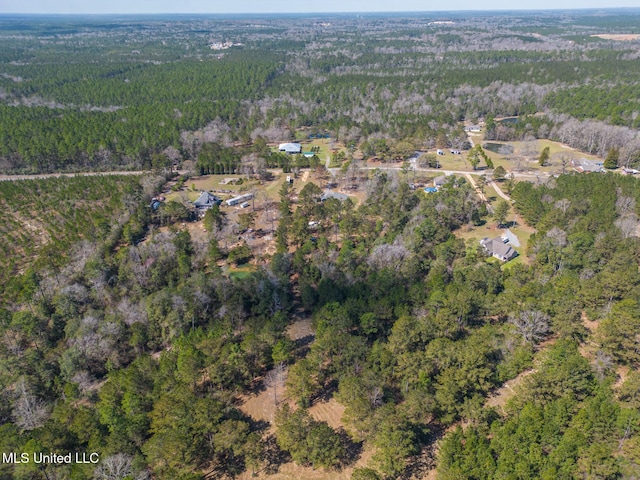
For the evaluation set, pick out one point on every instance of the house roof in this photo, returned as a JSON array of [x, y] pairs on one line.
[[206, 200], [290, 147], [441, 180], [498, 248], [503, 250], [331, 194], [584, 165]]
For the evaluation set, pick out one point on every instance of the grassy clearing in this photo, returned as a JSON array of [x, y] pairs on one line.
[[195, 185], [449, 161], [526, 154], [523, 232], [492, 195], [240, 273], [212, 182], [326, 147], [524, 157], [273, 187]]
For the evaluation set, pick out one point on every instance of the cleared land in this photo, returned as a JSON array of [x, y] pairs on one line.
[[625, 37]]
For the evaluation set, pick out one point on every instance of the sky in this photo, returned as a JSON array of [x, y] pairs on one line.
[[292, 6]]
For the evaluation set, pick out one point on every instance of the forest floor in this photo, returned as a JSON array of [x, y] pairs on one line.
[[499, 397], [589, 348], [507, 391], [261, 408]]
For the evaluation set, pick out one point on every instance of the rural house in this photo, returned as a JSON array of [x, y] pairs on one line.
[[498, 248], [239, 199], [205, 201], [290, 148], [439, 181], [587, 166], [331, 194]]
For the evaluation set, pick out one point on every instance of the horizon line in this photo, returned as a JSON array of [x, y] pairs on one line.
[[351, 12]]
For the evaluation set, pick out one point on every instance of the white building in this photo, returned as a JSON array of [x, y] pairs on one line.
[[240, 199], [290, 148]]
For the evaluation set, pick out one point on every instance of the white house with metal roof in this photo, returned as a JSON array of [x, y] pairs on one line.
[[291, 148]]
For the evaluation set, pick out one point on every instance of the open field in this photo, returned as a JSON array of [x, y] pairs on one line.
[[625, 37], [525, 155], [522, 157], [211, 183]]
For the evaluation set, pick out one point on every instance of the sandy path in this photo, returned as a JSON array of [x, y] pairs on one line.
[[480, 194]]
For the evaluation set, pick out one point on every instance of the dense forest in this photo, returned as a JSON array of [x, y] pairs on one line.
[[141, 350], [160, 89], [133, 330]]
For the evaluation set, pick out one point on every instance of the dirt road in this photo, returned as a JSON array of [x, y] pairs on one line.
[[479, 192], [14, 178]]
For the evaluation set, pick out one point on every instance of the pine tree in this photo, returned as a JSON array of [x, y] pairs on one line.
[[611, 162], [544, 156]]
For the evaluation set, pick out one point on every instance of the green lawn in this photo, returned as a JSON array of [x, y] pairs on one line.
[[525, 156], [273, 187], [240, 273], [326, 145], [195, 185]]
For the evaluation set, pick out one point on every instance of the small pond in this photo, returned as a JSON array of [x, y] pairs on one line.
[[498, 148], [508, 120]]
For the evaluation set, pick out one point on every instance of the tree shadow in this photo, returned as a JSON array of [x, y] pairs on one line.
[[256, 387], [352, 449], [326, 393], [274, 456], [228, 466], [258, 425], [425, 461], [303, 345]]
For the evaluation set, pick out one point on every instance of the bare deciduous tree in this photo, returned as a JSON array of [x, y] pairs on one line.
[[563, 205], [375, 397], [627, 220], [386, 255], [602, 364], [557, 236], [84, 380], [628, 225], [531, 325], [624, 204], [118, 467], [275, 379], [29, 412]]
